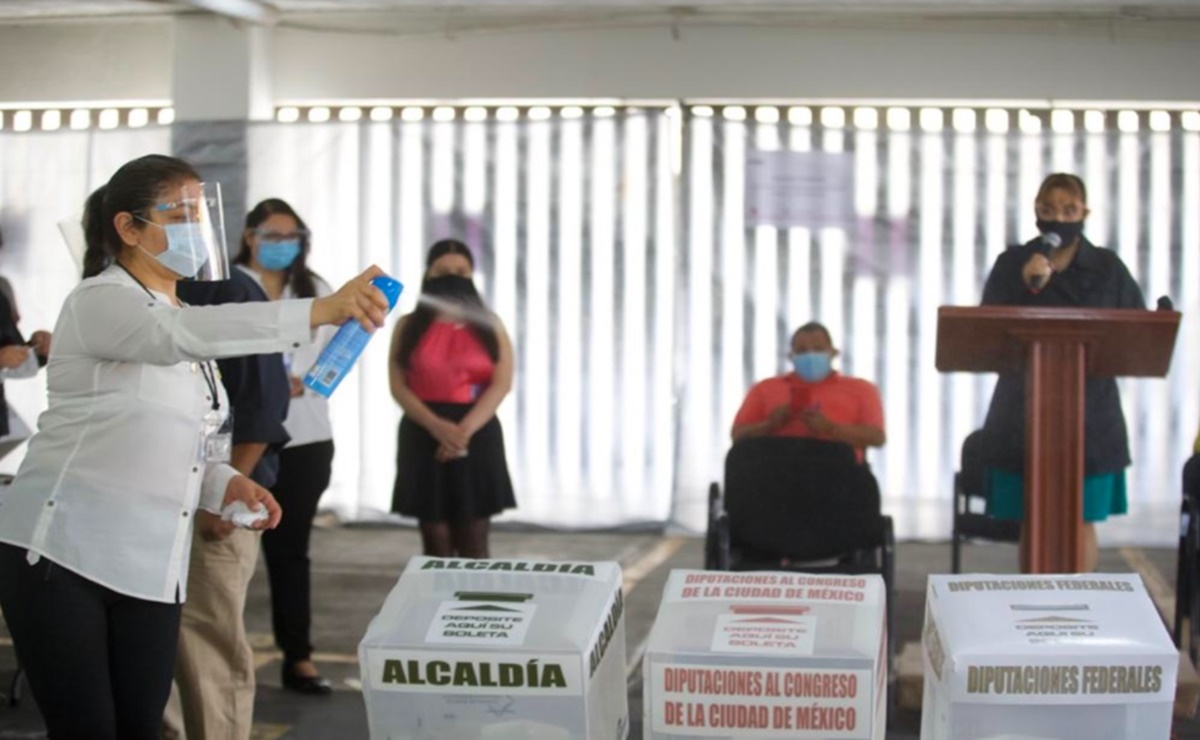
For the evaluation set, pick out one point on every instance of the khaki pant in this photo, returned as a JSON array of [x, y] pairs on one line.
[[214, 673]]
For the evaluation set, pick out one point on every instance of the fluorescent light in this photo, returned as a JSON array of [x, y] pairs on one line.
[[899, 119], [833, 117], [997, 120], [866, 118], [1030, 124], [81, 119], [1062, 121], [539, 113], [139, 117], [733, 113], [507, 114], [320, 114], [604, 111], [110, 118], [443, 113], [964, 120], [932, 119], [1127, 121], [1160, 121], [1094, 122], [412, 114], [800, 116], [350, 115], [766, 114], [475, 114], [1190, 120], [382, 113], [51, 120], [571, 113], [702, 111], [166, 116]]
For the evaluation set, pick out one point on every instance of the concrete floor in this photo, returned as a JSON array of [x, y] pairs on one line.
[[355, 567]]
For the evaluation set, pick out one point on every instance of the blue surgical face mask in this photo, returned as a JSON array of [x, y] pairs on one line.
[[278, 255], [813, 366], [186, 252]]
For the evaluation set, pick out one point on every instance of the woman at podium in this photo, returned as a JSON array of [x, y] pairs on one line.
[[1060, 268]]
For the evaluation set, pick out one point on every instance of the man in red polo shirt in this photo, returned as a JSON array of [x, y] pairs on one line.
[[813, 400]]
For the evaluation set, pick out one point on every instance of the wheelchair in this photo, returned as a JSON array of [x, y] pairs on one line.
[[801, 505], [1187, 573], [971, 521]]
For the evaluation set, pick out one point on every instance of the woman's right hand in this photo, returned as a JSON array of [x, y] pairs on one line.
[[13, 355], [1037, 271], [357, 300], [449, 434]]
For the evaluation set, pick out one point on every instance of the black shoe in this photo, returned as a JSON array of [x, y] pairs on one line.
[[308, 685]]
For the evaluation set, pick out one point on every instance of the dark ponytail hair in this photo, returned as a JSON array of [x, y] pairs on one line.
[[462, 293], [132, 189], [299, 277]]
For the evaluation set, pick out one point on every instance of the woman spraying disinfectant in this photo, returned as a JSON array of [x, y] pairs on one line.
[[339, 356]]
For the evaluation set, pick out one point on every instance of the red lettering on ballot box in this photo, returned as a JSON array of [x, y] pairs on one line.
[[774, 587], [715, 701]]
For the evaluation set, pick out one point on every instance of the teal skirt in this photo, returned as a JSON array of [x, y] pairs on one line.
[[1103, 494]]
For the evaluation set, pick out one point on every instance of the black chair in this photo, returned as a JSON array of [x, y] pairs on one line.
[[801, 505], [971, 521], [1187, 572]]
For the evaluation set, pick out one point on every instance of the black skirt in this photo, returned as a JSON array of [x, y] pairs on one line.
[[473, 487]]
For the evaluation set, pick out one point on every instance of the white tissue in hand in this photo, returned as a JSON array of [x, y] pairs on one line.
[[242, 516]]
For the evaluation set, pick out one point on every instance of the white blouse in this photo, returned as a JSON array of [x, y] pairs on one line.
[[115, 471]]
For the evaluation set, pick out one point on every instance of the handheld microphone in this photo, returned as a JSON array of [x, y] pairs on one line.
[[1049, 240]]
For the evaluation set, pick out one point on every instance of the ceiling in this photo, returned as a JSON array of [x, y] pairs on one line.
[[416, 16]]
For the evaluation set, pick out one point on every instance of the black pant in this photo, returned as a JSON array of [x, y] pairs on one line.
[[99, 663], [303, 476]]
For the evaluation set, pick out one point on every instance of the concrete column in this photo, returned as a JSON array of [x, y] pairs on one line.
[[221, 82]]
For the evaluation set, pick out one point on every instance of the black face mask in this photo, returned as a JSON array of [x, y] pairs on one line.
[[1067, 231], [452, 288]]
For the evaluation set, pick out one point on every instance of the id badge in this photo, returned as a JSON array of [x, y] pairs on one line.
[[217, 439]]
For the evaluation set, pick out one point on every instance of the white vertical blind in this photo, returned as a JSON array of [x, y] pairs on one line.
[[642, 304]]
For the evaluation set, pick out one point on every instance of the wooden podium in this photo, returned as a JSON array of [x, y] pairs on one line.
[[1057, 348]]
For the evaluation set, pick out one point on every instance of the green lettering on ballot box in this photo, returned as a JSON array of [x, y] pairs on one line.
[[531, 674]]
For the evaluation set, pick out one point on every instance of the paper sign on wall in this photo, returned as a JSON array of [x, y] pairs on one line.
[[799, 189]]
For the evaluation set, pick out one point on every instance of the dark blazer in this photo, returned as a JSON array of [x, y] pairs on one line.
[[1096, 278], [257, 385]]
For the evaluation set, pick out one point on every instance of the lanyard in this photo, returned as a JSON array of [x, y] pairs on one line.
[[206, 370]]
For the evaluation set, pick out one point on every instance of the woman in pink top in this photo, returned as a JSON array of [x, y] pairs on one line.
[[451, 365]]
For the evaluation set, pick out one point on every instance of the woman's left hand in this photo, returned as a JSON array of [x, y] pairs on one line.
[[254, 497], [448, 453]]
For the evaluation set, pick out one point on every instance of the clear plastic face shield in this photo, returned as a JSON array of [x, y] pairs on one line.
[[193, 218], [72, 234]]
